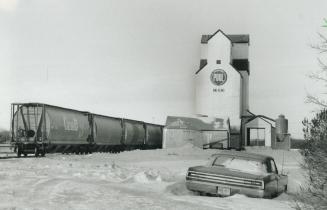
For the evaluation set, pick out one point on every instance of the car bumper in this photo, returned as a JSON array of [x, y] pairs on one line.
[[213, 189]]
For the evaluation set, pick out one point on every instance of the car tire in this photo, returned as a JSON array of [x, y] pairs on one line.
[[36, 152], [19, 153]]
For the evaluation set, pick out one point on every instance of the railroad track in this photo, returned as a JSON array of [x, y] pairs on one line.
[[6, 150]]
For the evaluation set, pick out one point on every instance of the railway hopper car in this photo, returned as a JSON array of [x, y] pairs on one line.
[[153, 139], [37, 127], [134, 134], [107, 133]]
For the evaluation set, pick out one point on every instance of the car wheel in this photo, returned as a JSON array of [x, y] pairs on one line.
[[19, 153], [36, 152]]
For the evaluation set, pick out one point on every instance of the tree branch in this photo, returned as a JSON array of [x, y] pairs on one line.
[[322, 65], [315, 100], [317, 77]]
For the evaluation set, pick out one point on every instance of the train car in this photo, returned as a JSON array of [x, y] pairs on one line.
[[134, 134], [153, 139], [37, 128], [107, 133]]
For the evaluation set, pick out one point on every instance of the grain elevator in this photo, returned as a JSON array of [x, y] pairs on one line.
[[222, 94]]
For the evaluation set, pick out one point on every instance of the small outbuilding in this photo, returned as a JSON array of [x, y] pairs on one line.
[[259, 131]]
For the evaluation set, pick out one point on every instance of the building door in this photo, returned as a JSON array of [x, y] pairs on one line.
[[255, 137]]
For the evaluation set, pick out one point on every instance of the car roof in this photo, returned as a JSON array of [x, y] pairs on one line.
[[245, 155]]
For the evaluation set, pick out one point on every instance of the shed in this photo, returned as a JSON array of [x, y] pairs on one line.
[[259, 131], [202, 132]]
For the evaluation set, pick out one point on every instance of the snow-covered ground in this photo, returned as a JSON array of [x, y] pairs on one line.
[[152, 179]]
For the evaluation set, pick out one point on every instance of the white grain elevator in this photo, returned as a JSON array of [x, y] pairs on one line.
[[222, 81]]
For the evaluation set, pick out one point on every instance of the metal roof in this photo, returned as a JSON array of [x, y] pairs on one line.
[[234, 38], [193, 123], [203, 63], [263, 117]]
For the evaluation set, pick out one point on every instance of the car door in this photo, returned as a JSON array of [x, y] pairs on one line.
[[281, 179], [272, 184]]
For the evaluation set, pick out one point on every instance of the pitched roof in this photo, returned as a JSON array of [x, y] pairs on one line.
[[241, 65], [203, 63], [234, 38], [261, 116], [193, 123], [264, 118]]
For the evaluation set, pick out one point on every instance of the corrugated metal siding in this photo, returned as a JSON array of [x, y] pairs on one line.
[[180, 137], [219, 137]]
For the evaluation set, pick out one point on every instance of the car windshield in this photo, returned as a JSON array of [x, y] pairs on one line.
[[244, 165]]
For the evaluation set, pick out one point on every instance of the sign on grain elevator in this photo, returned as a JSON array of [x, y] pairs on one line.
[[222, 81]]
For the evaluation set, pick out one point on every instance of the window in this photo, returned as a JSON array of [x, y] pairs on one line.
[[218, 61], [244, 165], [256, 137], [271, 166]]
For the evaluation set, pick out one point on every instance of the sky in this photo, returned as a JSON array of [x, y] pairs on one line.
[[137, 59]]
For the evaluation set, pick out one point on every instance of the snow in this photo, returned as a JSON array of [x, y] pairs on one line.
[[140, 179], [247, 166]]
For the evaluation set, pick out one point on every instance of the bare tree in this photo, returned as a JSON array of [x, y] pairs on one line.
[[314, 151], [320, 76]]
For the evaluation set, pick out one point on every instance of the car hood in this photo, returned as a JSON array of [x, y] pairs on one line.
[[226, 172]]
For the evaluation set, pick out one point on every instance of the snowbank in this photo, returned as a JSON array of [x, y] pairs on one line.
[[140, 179]]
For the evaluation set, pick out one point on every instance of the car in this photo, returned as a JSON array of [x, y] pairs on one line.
[[232, 172]]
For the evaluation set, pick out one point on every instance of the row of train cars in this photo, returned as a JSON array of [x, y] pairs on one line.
[[38, 129]]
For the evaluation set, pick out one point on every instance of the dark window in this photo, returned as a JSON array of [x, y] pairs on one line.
[[256, 137], [218, 61], [271, 167]]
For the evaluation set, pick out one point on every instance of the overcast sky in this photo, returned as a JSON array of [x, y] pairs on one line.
[[137, 59]]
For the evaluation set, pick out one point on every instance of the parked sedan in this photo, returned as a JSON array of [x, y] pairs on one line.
[[230, 172]]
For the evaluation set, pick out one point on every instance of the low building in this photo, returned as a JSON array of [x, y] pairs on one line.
[[201, 132], [259, 131]]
